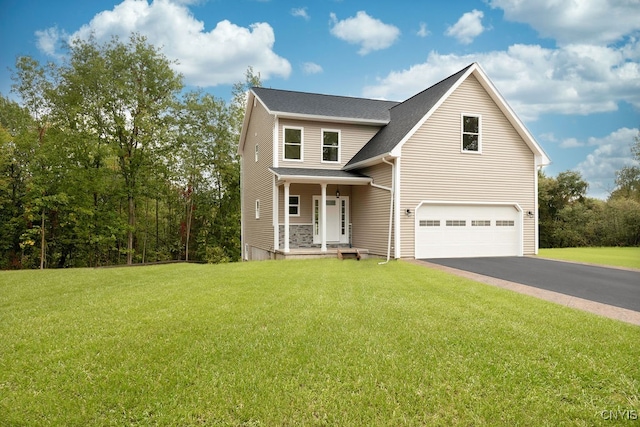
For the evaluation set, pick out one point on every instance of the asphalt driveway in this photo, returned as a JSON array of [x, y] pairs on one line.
[[620, 288]]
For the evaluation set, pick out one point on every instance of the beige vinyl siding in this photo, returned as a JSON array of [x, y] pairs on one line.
[[370, 211], [306, 193], [434, 168], [352, 139], [257, 180]]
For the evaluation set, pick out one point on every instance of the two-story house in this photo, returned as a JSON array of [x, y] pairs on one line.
[[450, 172]]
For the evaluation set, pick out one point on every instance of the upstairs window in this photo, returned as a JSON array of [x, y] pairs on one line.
[[293, 143], [471, 134], [330, 146]]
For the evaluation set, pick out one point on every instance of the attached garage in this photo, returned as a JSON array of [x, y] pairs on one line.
[[457, 230]]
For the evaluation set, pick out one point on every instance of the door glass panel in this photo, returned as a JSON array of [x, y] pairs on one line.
[[316, 217], [343, 217]]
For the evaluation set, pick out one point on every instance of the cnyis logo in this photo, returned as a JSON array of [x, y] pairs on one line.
[[619, 414]]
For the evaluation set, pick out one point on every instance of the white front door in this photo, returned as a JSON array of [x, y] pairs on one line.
[[333, 220], [337, 219]]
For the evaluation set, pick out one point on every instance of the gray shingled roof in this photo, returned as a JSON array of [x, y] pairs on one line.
[[404, 117], [313, 104], [318, 173]]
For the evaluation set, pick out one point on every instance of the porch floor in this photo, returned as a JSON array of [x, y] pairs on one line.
[[305, 253]]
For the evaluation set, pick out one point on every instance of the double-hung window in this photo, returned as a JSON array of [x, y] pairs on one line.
[[330, 146], [292, 143], [471, 141], [294, 205]]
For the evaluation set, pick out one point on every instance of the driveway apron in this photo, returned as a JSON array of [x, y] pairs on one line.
[[617, 287]]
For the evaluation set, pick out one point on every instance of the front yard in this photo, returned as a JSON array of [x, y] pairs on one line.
[[617, 256], [317, 342]]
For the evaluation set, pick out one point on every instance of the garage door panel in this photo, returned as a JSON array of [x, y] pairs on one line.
[[452, 231]]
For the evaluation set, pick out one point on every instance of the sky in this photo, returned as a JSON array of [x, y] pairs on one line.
[[570, 69]]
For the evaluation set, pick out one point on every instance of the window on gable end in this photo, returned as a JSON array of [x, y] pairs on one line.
[[471, 138], [292, 143], [330, 146]]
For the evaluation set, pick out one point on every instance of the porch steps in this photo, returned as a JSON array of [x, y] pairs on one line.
[[349, 253]]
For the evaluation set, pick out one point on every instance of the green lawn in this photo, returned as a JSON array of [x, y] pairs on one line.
[[317, 342], [621, 257]]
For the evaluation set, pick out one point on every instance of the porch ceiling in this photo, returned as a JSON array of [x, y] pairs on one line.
[[319, 176]]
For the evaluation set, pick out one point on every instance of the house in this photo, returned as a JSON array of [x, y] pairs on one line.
[[450, 172]]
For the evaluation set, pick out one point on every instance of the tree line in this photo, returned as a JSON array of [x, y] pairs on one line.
[[567, 218], [108, 160]]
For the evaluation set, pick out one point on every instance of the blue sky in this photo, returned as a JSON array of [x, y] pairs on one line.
[[570, 69]]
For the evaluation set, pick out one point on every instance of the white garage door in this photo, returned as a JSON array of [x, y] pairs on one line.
[[459, 230]]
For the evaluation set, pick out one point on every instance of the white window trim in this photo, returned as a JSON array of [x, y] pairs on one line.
[[257, 208], [298, 205], [322, 131], [284, 143], [462, 150]]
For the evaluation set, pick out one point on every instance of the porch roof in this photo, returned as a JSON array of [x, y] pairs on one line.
[[319, 176]]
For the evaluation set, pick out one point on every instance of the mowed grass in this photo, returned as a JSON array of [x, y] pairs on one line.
[[615, 256], [317, 342]]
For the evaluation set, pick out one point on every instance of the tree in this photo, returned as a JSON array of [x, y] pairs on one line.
[[560, 203], [15, 127], [33, 83], [121, 93], [103, 154], [628, 178]]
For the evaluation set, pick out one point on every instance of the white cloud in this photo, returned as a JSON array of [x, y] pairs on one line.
[[577, 21], [47, 40], [370, 33], [311, 68], [571, 143], [468, 27], [574, 79], [550, 137], [206, 58], [611, 153], [300, 12], [423, 31]]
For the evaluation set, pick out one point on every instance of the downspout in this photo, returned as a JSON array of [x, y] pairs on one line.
[[243, 255], [390, 190], [536, 209]]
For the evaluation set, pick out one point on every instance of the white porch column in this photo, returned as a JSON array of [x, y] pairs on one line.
[[286, 217], [323, 215]]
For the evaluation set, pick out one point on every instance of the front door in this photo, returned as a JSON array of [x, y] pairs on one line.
[[333, 220], [337, 220]]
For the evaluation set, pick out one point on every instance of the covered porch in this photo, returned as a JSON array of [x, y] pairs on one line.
[[313, 220]]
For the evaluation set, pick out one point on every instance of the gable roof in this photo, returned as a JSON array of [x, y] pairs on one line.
[[314, 106], [398, 120], [404, 117], [409, 115]]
